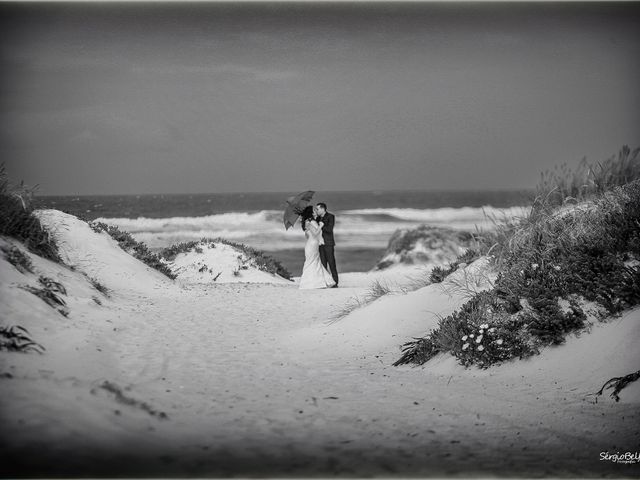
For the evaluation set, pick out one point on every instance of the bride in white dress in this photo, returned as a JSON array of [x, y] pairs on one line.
[[314, 274]]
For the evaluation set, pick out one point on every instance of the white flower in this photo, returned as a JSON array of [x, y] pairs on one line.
[[480, 348], [465, 337], [484, 325], [556, 267], [481, 331], [492, 329], [534, 265], [479, 339], [499, 341], [472, 335], [465, 346]]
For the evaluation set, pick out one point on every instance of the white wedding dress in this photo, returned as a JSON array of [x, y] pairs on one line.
[[314, 275]]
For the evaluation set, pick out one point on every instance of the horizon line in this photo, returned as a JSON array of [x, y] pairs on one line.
[[375, 190]]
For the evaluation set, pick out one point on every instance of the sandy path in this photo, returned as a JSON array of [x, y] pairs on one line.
[[242, 399]]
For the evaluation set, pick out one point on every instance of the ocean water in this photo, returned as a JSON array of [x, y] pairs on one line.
[[364, 220]]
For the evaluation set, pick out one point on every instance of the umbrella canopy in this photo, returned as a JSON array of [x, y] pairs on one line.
[[294, 205]]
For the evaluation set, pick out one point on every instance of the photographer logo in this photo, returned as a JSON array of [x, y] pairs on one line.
[[625, 457]]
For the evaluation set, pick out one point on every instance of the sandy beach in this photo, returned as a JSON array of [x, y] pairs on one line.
[[258, 378]]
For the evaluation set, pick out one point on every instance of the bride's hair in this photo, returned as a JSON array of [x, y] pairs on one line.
[[306, 214]]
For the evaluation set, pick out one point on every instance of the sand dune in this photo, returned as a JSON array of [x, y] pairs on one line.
[[257, 378]]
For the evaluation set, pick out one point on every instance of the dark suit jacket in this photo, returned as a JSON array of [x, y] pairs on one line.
[[329, 221]]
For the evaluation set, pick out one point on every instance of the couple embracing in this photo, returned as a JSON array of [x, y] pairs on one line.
[[317, 225]]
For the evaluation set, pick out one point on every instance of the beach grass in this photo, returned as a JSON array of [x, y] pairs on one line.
[[352, 304], [416, 282], [17, 258], [15, 338], [100, 287], [50, 292], [438, 274], [258, 258], [18, 221], [171, 252], [138, 249], [564, 254], [562, 185], [559, 189], [376, 290], [254, 257]]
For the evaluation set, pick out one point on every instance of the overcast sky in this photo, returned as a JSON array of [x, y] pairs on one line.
[[166, 98]]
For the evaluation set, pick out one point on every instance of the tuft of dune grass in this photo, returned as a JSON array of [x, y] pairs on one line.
[[100, 287], [18, 221], [563, 185], [376, 290], [171, 252], [50, 291], [15, 338], [17, 258]]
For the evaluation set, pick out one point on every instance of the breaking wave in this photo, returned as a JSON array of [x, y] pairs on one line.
[[360, 228]]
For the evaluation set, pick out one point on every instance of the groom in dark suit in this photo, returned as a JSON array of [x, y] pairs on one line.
[[326, 251]]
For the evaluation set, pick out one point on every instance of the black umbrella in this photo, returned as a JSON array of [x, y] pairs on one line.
[[295, 204]]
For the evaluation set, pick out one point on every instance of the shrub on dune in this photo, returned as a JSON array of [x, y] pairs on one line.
[[171, 252], [438, 274], [550, 264], [590, 251]]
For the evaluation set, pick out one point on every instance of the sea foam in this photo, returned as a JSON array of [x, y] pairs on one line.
[[360, 228]]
